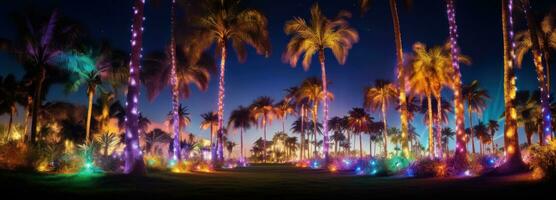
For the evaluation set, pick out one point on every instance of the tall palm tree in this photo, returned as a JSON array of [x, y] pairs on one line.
[[241, 119], [314, 37], [511, 139], [210, 121], [476, 98], [380, 96], [11, 93], [158, 72], [134, 156], [431, 69], [37, 44], [404, 115], [224, 23], [358, 121], [90, 69], [537, 51], [460, 153], [262, 110], [311, 93], [492, 128]]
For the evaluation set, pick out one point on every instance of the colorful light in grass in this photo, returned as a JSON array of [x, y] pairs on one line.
[[332, 168], [315, 164]]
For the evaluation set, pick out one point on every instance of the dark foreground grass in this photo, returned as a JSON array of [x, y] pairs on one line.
[[264, 182]]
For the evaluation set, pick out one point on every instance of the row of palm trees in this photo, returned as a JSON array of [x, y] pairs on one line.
[[225, 23]]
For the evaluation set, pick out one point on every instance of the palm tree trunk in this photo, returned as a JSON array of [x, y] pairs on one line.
[[470, 113], [384, 130], [27, 115], [324, 105], [36, 105], [223, 55], [264, 143], [302, 144], [438, 125], [511, 140], [315, 126], [90, 94], [541, 76], [133, 157], [360, 146], [460, 154], [241, 143], [401, 77], [10, 124], [431, 138], [174, 85]]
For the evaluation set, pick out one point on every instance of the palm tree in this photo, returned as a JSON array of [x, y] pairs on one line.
[[155, 136], [262, 110], [230, 147], [158, 73], [476, 98], [380, 96], [537, 51], [291, 145], [358, 121], [375, 130], [183, 121], [314, 37], [338, 125], [311, 93], [225, 22], [511, 140], [481, 132], [430, 71], [90, 69], [11, 93], [447, 135], [395, 135], [404, 115], [282, 109], [492, 128], [241, 119], [210, 121], [36, 48], [107, 141]]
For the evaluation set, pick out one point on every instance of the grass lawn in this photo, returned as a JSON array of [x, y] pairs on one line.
[[265, 182]]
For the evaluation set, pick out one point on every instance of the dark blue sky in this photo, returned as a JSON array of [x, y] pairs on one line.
[[372, 58]]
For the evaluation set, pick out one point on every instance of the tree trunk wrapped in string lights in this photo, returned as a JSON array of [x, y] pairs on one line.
[[174, 84], [461, 149], [133, 155], [541, 75], [511, 142], [219, 146]]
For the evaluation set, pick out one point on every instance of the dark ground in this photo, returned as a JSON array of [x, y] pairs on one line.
[[266, 182]]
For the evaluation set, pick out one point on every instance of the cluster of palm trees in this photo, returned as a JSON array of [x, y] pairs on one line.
[[52, 52]]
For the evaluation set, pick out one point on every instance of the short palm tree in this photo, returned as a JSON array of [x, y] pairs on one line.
[[107, 142], [224, 23], [210, 121], [380, 96], [313, 38], [476, 98], [358, 121], [481, 132], [241, 119], [156, 136], [262, 110], [492, 128], [447, 135], [283, 109]]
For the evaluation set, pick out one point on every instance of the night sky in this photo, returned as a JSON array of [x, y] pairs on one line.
[[479, 24]]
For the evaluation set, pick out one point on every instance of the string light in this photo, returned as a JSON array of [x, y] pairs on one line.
[[175, 89], [461, 149], [133, 153]]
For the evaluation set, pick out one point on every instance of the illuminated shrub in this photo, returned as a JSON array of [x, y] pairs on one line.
[[13, 155], [427, 167], [542, 159]]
